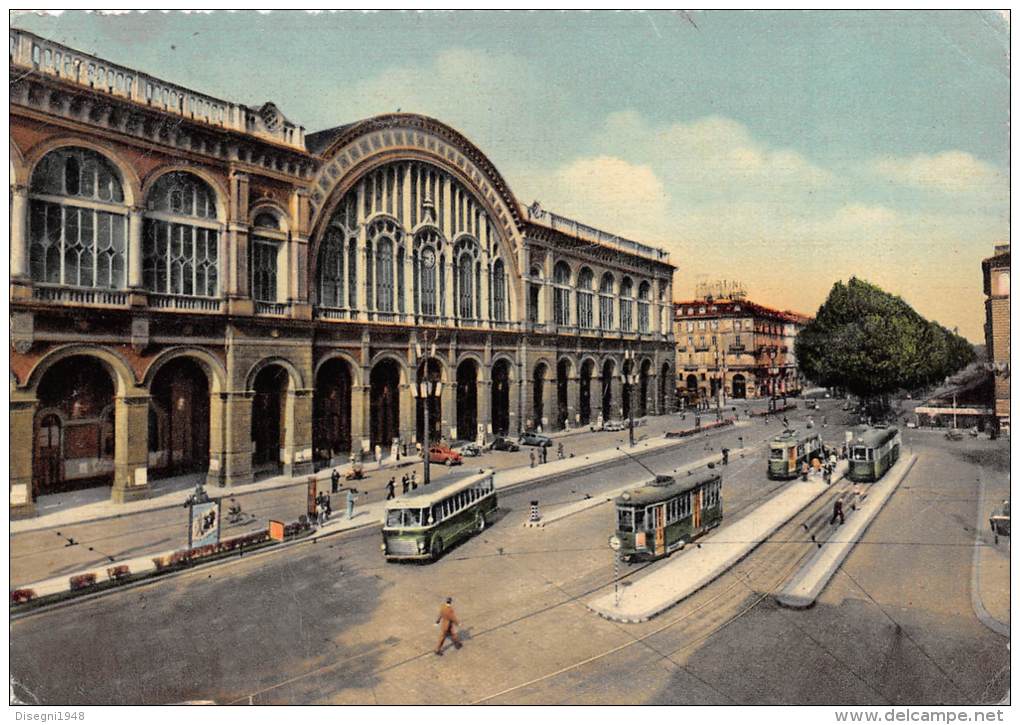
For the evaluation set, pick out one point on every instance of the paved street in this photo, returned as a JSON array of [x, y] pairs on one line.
[[334, 623]]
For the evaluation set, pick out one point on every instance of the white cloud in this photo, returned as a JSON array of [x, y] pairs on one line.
[[949, 171], [711, 154], [609, 193]]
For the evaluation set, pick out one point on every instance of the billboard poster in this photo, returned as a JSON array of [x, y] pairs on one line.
[[205, 524]]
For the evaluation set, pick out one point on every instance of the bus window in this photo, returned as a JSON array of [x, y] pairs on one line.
[[412, 517], [626, 519], [437, 513], [859, 454], [393, 517], [776, 454]]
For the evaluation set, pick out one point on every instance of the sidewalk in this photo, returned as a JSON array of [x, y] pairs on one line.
[[688, 571], [807, 584], [366, 514]]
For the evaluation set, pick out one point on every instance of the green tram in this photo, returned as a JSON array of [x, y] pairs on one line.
[[425, 523], [788, 452], [873, 452], [660, 517]]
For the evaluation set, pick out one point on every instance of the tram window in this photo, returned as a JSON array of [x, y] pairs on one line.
[[859, 454], [777, 454], [639, 519], [626, 518]]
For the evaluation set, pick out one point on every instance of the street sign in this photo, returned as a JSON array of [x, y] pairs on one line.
[[276, 530]]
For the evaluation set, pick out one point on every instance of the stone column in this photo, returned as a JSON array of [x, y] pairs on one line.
[[19, 233], [448, 413], [134, 248], [297, 454], [616, 402], [483, 390], [515, 404], [216, 475], [573, 401], [361, 273], [449, 304], [360, 415], [22, 430], [485, 309], [131, 447], [408, 413], [237, 449]]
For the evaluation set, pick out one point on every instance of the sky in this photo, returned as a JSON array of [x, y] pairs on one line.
[[786, 150]]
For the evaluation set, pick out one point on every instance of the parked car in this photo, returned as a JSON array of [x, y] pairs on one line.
[[471, 450], [999, 520], [503, 444], [615, 425], [531, 438], [445, 455], [954, 435], [911, 424]]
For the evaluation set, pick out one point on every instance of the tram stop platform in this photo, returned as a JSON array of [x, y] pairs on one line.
[[696, 566], [807, 584]]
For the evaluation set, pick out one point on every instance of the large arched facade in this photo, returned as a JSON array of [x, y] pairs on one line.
[[260, 304]]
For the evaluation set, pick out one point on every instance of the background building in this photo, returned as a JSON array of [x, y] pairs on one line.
[[996, 280], [199, 286], [745, 348]]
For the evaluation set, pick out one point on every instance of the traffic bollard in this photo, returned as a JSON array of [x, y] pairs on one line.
[[534, 517]]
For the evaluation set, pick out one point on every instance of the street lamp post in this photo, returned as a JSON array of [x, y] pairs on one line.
[[631, 380], [773, 375], [426, 389]]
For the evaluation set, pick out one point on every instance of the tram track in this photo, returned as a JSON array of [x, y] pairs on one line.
[[784, 557]]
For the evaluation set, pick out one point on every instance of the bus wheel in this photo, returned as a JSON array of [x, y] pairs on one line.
[[480, 523], [437, 547]]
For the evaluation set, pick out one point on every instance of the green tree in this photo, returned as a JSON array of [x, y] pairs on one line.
[[872, 343]]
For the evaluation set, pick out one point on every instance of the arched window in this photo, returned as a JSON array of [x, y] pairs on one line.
[[384, 274], [499, 291], [534, 290], [585, 280], [606, 289], [332, 258], [644, 292], [626, 305], [77, 225], [561, 299], [466, 271], [268, 243], [427, 244], [180, 248]]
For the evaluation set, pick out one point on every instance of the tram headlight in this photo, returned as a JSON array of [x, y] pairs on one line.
[[615, 543]]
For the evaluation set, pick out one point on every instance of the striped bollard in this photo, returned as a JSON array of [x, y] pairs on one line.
[[534, 517]]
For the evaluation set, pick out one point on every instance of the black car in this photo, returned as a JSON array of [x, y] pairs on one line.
[[503, 444], [531, 438]]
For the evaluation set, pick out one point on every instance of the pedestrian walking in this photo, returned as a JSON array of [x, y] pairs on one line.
[[405, 483], [378, 454], [559, 451], [531, 457], [804, 471], [786, 422], [545, 454], [837, 512], [391, 488], [352, 496], [335, 480], [320, 511], [414, 480], [446, 620]]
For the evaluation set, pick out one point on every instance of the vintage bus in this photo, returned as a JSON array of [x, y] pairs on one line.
[[789, 451], [873, 451], [658, 518], [425, 523]]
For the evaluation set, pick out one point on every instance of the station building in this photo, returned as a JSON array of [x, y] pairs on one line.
[[995, 270], [736, 348], [200, 286]]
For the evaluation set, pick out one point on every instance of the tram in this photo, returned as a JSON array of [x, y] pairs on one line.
[[789, 451], [658, 518], [873, 452]]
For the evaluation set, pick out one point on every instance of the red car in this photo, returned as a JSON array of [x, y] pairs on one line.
[[444, 455]]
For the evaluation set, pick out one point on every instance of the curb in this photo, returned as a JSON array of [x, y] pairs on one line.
[[804, 587], [147, 576]]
